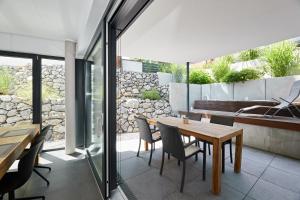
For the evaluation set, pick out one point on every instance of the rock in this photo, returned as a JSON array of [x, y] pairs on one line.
[[132, 103], [11, 120], [2, 118], [58, 108], [54, 121], [135, 91], [3, 112], [25, 114], [46, 107], [23, 106], [11, 113], [5, 98], [146, 105]]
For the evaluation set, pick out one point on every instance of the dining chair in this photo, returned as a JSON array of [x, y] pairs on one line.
[[14, 180], [147, 135], [173, 144], [227, 121], [45, 135], [195, 117]]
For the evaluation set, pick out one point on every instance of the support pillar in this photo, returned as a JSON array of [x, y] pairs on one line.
[[70, 52]]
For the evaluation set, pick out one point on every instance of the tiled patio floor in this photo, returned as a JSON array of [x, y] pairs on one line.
[[264, 175]]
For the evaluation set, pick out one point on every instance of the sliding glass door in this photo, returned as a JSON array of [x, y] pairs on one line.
[[95, 98]]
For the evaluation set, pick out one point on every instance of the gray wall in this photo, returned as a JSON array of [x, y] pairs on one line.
[[264, 89]]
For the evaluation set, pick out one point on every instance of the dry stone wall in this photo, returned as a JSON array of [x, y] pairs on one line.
[[130, 102], [15, 108]]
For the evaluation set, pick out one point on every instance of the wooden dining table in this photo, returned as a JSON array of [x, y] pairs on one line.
[[13, 141], [215, 134]]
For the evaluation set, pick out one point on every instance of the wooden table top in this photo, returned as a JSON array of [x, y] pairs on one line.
[[13, 141], [214, 131]]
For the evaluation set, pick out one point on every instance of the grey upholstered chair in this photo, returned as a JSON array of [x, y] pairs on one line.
[[173, 144], [147, 135]]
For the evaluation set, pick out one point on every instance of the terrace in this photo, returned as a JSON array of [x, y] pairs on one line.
[[80, 80]]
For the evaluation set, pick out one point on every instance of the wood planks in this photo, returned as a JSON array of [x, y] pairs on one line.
[[15, 144]]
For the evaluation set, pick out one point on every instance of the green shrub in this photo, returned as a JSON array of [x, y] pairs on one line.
[[5, 81], [221, 67], [250, 54], [199, 77], [178, 71], [242, 76], [281, 58], [165, 67], [151, 94], [48, 92]]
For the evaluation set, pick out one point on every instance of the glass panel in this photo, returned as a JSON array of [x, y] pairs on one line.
[[96, 96], [53, 101], [15, 91]]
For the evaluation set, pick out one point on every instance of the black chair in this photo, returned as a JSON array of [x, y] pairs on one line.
[[147, 135], [227, 121], [173, 144], [14, 180], [44, 134], [193, 116]]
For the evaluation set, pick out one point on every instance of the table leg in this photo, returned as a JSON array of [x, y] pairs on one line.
[[216, 173], [238, 153], [146, 146]]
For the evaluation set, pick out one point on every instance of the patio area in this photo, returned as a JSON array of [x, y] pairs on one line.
[[264, 175]]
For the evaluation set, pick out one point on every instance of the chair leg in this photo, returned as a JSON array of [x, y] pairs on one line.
[[209, 149], [204, 162], [149, 163], [169, 156], [162, 162], [178, 162], [189, 138], [11, 195], [42, 167], [196, 157], [223, 158], [230, 149], [183, 177], [154, 147], [40, 175], [138, 153]]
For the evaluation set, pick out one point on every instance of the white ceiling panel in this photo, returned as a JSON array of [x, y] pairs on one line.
[[194, 30]]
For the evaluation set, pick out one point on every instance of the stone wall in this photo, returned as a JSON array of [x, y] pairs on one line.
[[15, 107], [129, 101]]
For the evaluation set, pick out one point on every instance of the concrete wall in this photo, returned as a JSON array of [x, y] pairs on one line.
[[164, 78], [250, 90], [264, 89], [284, 142], [279, 87], [221, 91], [177, 95], [132, 66]]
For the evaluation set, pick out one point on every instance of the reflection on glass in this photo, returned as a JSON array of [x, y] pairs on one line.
[[15, 91], [96, 135]]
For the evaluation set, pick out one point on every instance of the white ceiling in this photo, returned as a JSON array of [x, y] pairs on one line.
[[48, 23], [194, 30]]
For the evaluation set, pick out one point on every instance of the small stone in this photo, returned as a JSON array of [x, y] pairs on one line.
[[5, 98], [2, 118], [11, 120], [11, 113]]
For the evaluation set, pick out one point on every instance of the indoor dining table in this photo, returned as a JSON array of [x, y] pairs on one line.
[[213, 133], [13, 141]]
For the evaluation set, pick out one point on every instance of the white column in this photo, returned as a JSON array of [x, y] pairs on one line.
[[70, 52]]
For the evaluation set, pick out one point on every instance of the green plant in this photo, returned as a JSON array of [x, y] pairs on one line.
[[242, 76], [221, 67], [250, 54], [281, 58], [48, 92], [178, 71], [165, 67], [152, 94], [5, 81], [199, 77]]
